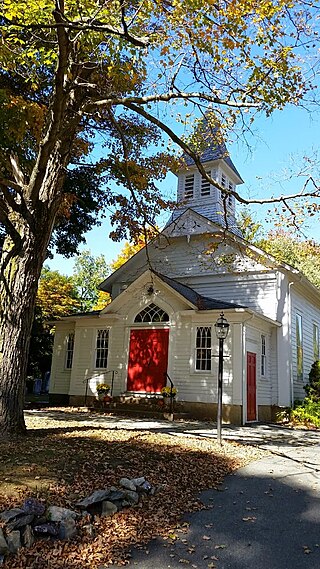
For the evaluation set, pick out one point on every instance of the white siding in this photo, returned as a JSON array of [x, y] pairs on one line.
[[60, 376], [256, 291], [199, 386], [194, 257], [83, 370], [310, 312], [239, 279], [265, 383]]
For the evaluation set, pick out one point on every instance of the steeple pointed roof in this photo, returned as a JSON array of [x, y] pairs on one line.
[[209, 139], [194, 192], [214, 152]]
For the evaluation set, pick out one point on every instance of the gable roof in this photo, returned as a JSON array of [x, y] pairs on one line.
[[213, 229], [207, 212], [199, 301]]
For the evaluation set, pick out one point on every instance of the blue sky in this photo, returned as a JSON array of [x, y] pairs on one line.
[[278, 142]]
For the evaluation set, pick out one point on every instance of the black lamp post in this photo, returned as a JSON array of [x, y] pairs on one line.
[[222, 329]]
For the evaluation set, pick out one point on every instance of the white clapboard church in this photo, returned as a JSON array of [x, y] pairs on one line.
[[165, 302]]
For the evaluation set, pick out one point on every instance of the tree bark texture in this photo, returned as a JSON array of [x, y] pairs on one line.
[[22, 257]]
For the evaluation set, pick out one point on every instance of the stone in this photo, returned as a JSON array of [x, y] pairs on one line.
[[39, 520], [3, 544], [67, 529], [9, 515], [138, 481], [89, 530], [20, 522], [58, 514], [116, 496], [14, 541], [27, 536], [1, 559], [127, 484], [145, 487], [47, 529], [33, 506], [131, 497], [108, 509], [97, 496]]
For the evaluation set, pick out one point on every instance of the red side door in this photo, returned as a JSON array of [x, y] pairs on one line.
[[148, 360], [251, 387]]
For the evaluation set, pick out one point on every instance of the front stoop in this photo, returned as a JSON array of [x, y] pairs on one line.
[[145, 407]]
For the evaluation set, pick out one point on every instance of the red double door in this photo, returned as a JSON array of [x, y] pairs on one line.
[[148, 360], [251, 387]]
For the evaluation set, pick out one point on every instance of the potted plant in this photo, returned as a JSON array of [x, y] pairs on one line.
[[166, 391], [103, 390]]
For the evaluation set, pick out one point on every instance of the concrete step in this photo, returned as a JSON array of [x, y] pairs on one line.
[[136, 413]]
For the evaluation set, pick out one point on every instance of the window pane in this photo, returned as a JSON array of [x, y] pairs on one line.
[[203, 348], [152, 313], [69, 353], [102, 348]]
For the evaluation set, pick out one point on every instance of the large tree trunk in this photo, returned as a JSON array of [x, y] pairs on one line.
[[21, 260], [20, 273]]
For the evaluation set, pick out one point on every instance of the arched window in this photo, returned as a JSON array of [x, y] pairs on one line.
[[152, 313]]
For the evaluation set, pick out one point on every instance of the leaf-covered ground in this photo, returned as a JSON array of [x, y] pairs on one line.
[[61, 462]]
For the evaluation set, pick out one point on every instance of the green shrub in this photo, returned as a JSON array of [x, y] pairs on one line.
[[307, 412], [312, 388]]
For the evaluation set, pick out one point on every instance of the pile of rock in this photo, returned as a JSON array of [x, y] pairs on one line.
[[21, 526]]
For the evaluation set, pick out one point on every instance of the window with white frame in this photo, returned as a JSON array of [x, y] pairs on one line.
[[263, 355], [101, 351], [315, 342], [189, 186], [69, 350], [299, 346], [203, 348], [205, 189]]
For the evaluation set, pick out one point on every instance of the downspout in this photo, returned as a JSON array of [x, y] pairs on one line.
[[290, 337]]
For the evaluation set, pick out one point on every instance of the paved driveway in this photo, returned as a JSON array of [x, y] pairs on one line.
[[265, 516]]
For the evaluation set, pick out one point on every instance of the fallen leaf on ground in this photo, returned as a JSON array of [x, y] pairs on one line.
[[46, 466]]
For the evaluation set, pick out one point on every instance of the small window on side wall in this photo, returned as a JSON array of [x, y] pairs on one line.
[[69, 351], [101, 352], [315, 342], [299, 346], [263, 355]]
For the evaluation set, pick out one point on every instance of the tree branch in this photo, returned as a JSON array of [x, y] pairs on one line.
[[197, 160], [166, 97], [94, 26]]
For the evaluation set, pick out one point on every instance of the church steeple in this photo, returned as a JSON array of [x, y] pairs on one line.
[[196, 193]]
